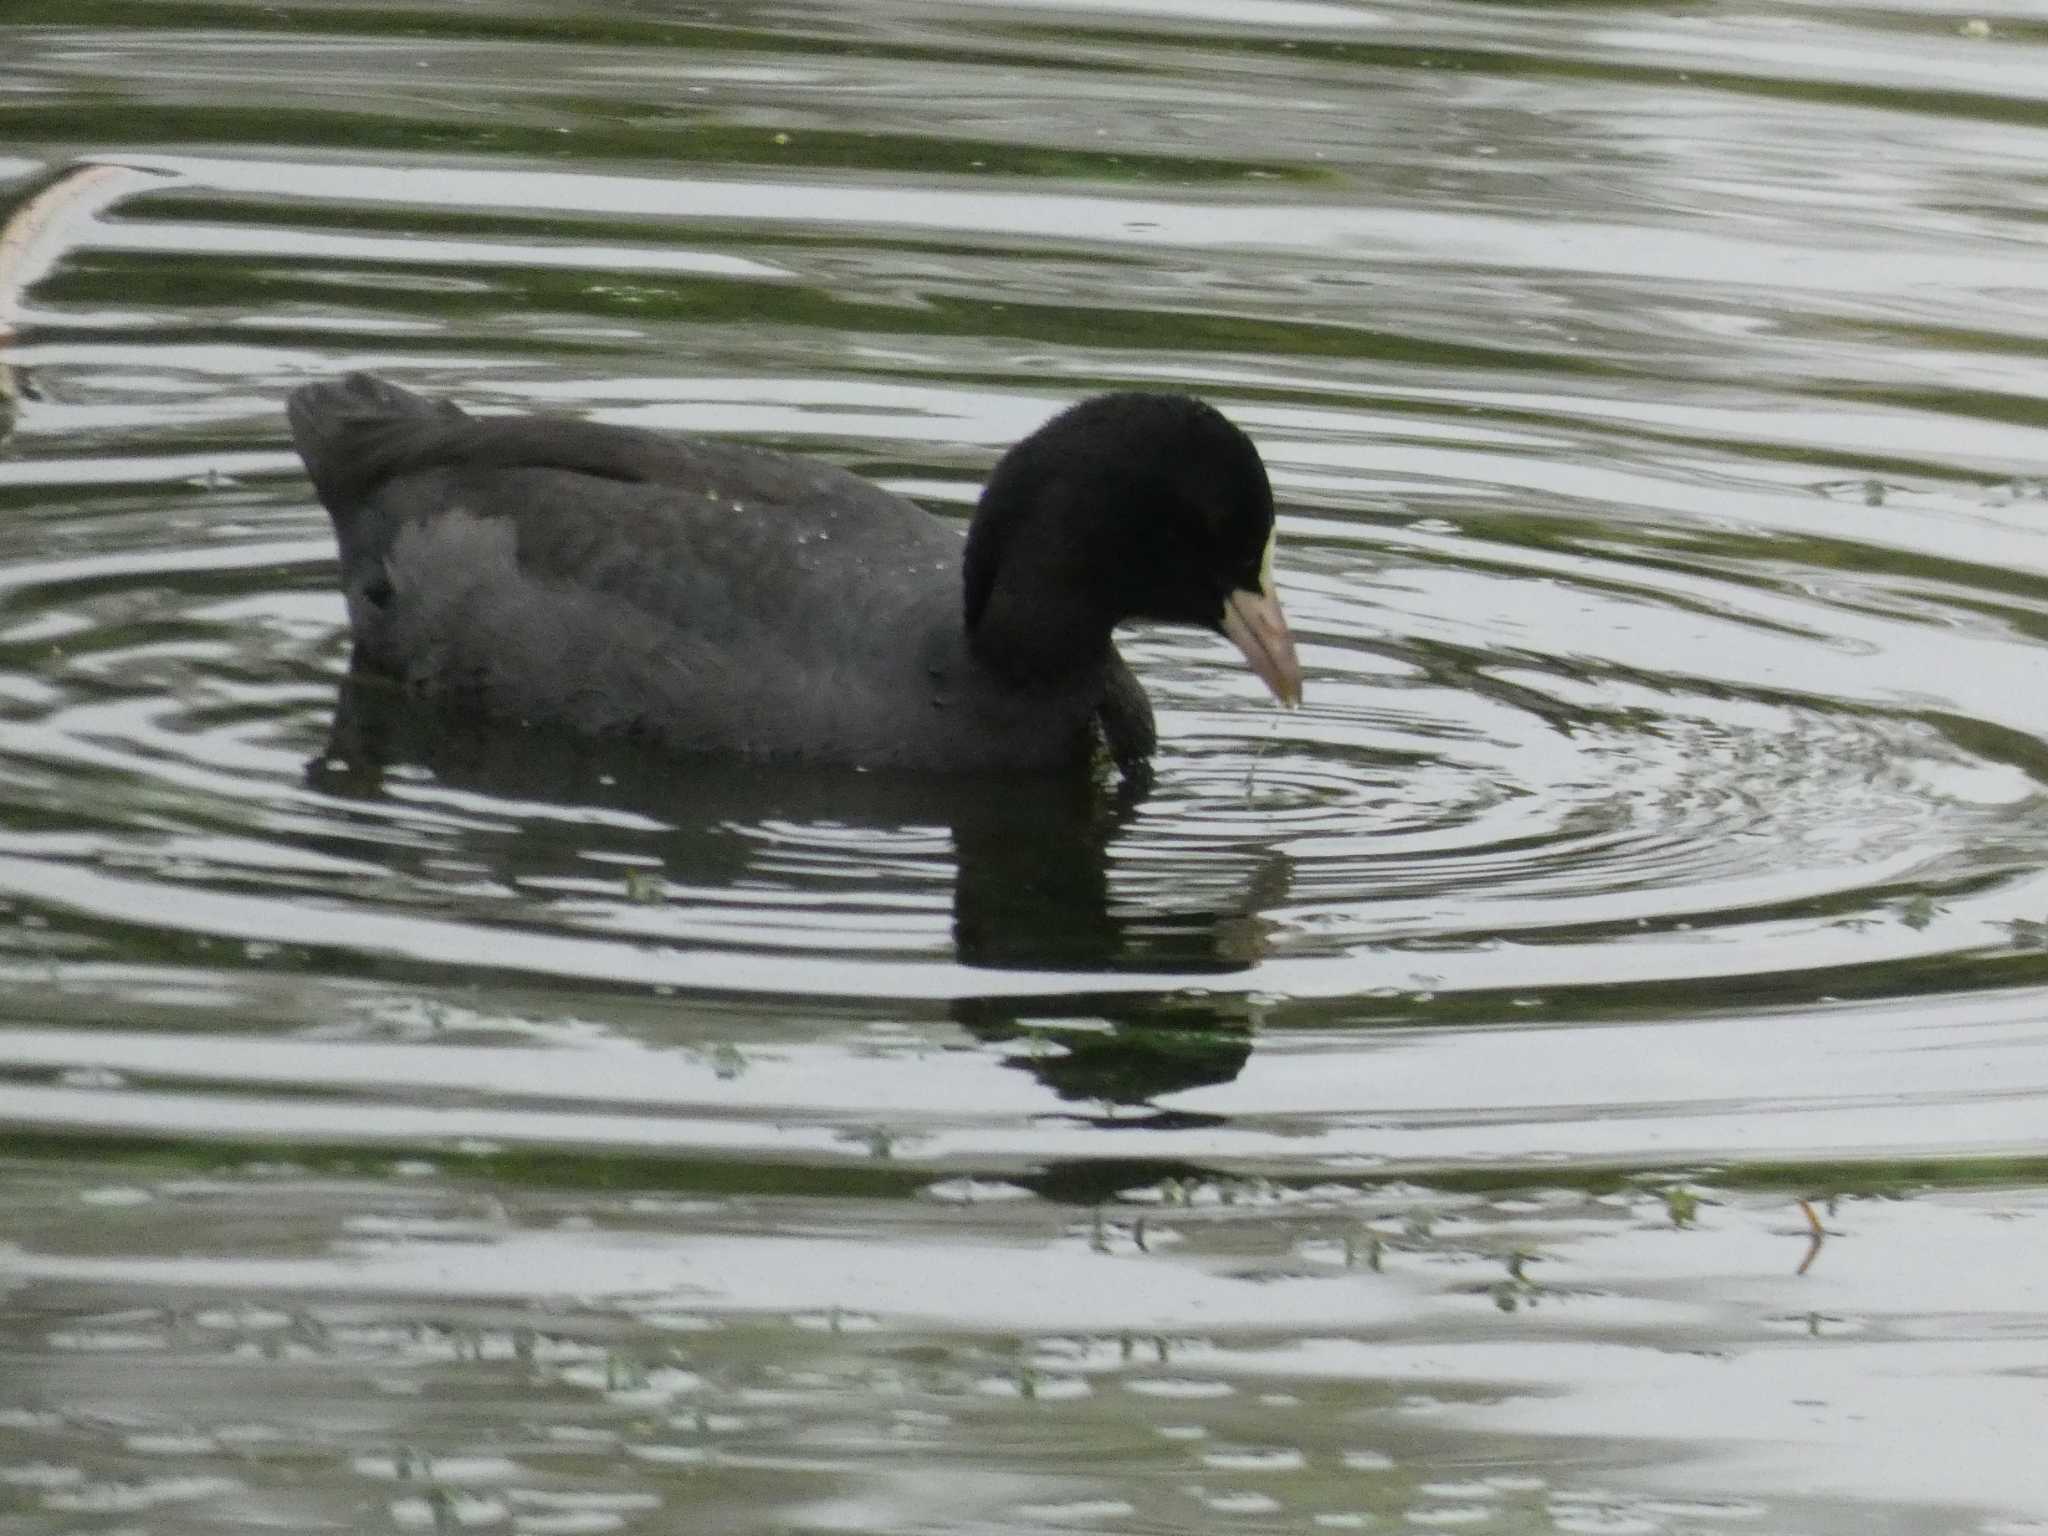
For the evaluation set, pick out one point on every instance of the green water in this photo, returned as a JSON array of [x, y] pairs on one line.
[[1396, 1120]]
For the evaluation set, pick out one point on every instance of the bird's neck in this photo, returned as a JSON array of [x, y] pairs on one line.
[[1050, 639]]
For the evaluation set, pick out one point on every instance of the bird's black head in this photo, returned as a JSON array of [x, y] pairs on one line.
[[1127, 506]]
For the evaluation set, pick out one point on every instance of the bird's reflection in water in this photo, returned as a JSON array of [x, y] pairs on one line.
[[1032, 891]]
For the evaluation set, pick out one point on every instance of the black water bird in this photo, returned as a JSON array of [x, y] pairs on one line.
[[712, 598]]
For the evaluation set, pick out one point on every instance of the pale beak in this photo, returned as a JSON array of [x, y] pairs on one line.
[[1253, 622]]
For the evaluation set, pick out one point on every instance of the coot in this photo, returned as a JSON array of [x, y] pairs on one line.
[[712, 598]]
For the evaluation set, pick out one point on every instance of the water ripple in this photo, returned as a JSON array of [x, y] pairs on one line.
[[403, 1120]]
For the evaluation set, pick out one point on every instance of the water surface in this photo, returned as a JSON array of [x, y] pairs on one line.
[[1396, 1118]]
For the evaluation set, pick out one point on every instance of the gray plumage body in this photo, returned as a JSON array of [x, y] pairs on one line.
[[705, 597]]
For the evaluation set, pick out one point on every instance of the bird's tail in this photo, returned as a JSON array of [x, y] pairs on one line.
[[351, 430]]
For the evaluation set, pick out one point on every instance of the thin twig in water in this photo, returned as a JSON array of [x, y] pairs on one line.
[[34, 232], [37, 232], [1820, 1235]]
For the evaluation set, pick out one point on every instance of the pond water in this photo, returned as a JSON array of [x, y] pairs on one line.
[[1399, 1118]]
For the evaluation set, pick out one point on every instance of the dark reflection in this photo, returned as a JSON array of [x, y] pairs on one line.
[[1030, 876]]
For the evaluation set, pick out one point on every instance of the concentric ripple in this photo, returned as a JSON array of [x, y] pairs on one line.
[[1728, 772], [1672, 601]]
